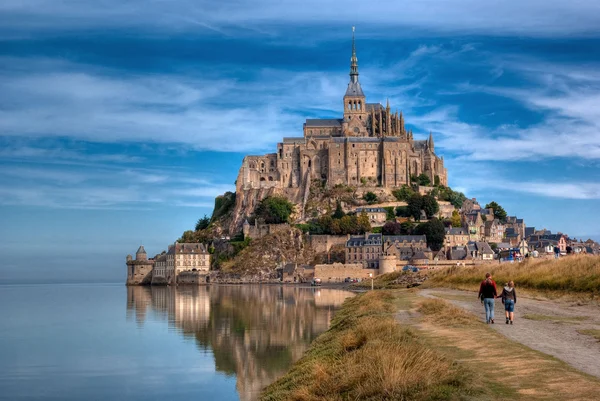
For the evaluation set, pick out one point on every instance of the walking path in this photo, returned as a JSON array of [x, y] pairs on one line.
[[551, 327]]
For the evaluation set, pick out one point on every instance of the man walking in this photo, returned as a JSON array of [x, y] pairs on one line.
[[487, 294]]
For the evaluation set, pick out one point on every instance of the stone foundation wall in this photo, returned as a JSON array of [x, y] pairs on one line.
[[337, 272], [195, 278]]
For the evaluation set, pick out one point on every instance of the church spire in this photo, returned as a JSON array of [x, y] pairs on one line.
[[353, 62]]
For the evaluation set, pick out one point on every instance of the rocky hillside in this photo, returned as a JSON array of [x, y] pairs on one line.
[[263, 255]]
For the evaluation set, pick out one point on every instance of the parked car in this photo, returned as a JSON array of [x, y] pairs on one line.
[[315, 281], [408, 268]]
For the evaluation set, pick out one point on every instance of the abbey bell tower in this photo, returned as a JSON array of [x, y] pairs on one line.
[[355, 106]]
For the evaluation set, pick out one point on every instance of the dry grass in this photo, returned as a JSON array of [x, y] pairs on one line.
[[591, 332], [439, 311], [579, 274], [555, 319], [367, 355]]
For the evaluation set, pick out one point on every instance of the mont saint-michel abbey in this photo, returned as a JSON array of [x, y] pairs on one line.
[[370, 143]]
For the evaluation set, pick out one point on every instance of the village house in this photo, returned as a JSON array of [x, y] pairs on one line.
[[480, 250], [474, 225], [518, 225], [377, 215], [367, 249], [494, 231], [456, 236]]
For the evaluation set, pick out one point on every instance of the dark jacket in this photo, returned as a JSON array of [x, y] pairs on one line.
[[487, 289], [508, 293]]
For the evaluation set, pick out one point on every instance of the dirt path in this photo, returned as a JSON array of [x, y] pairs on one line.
[[546, 326]]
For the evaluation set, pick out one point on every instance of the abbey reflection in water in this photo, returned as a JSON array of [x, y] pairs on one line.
[[254, 332]]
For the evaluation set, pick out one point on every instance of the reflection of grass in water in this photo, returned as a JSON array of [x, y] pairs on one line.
[[591, 332], [555, 319]]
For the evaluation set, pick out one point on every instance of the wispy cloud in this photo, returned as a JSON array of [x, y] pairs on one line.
[[531, 17], [107, 187]]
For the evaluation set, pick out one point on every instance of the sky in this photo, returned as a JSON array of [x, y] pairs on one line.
[[121, 121]]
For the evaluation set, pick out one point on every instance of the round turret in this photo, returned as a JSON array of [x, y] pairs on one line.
[[387, 264], [141, 254], [128, 258]]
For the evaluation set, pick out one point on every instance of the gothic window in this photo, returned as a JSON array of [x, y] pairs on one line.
[[356, 130]]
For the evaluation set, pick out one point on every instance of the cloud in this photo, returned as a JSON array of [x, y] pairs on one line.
[[105, 187], [531, 17]]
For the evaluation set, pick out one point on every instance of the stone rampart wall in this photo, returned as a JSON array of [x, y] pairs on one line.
[[142, 274], [337, 272], [323, 243]]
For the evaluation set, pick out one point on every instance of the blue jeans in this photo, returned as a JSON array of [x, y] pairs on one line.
[[489, 309]]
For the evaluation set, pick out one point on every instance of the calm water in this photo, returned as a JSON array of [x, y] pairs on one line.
[[109, 342]]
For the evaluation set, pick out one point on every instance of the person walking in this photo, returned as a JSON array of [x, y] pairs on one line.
[[509, 299], [487, 294]]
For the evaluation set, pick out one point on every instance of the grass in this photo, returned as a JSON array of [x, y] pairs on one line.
[[572, 274], [368, 355], [440, 311], [591, 332], [384, 281], [556, 319], [506, 369]]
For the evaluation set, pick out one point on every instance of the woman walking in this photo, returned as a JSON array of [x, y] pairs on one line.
[[487, 294], [509, 299]]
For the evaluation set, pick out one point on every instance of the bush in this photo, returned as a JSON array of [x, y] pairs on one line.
[[274, 210], [391, 228], [390, 213], [404, 193], [370, 197]]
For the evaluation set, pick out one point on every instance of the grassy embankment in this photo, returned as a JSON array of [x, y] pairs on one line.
[[367, 354], [572, 274], [395, 280]]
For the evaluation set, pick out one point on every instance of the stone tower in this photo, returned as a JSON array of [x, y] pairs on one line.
[[355, 105]]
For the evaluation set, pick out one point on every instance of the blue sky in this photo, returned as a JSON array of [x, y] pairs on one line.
[[121, 121]]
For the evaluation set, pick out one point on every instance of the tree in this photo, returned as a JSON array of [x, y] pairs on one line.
[[499, 212], [202, 223], [339, 212], [390, 213], [415, 204], [402, 211], [436, 180], [407, 228], [370, 197], [455, 219], [364, 225], [434, 231], [404, 193], [423, 180], [494, 246], [392, 228], [274, 210], [429, 206], [188, 236]]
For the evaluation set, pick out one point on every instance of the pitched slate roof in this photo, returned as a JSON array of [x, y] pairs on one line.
[[372, 239], [456, 231], [140, 250], [323, 122], [354, 89], [371, 210]]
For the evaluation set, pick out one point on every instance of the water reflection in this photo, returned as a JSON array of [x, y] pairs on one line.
[[254, 332]]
